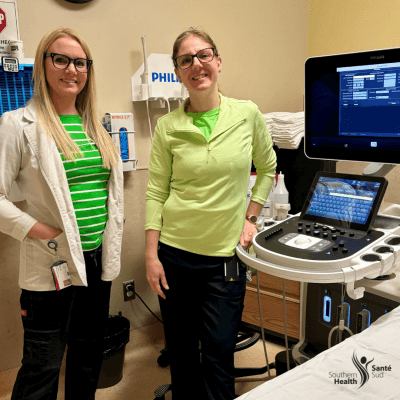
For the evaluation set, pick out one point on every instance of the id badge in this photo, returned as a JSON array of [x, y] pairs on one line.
[[231, 266], [61, 276], [59, 269]]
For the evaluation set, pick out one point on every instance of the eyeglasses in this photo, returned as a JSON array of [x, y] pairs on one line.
[[186, 61], [60, 61]]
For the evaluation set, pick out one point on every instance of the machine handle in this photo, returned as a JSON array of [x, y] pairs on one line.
[[281, 271]]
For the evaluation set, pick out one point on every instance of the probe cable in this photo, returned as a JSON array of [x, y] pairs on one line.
[[148, 117], [262, 324], [285, 324], [341, 327], [244, 379], [168, 105]]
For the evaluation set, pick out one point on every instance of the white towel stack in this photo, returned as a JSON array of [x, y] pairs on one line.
[[286, 128]]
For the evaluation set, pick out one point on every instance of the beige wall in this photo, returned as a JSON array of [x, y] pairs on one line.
[[263, 48], [343, 26]]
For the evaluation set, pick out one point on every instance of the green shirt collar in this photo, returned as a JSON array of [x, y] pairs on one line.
[[229, 115]]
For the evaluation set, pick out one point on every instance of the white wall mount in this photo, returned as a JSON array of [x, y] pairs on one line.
[[162, 84]]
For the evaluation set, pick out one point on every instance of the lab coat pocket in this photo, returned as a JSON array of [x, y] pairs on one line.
[[61, 241], [63, 251], [41, 257]]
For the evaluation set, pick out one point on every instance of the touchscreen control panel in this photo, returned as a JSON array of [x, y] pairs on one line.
[[336, 220]]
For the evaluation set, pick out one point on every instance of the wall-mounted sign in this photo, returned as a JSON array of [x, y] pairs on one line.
[[9, 28], [161, 78]]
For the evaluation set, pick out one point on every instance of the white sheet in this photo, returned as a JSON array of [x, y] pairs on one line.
[[315, 380]]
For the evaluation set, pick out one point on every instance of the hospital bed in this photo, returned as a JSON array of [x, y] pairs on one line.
[[364, 366]]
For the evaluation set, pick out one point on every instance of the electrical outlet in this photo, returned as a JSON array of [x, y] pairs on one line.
[[129, 290]]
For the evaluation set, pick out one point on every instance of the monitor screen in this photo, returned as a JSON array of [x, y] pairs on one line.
[[342, 200], [352, 106]]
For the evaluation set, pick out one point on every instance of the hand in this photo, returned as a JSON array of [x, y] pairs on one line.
[[155, 274], [43, 231], [248, 233]]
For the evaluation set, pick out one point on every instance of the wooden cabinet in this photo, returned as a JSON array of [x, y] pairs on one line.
[[272, 305]]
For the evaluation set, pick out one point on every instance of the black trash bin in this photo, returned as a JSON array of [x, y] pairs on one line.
[[115, 340]]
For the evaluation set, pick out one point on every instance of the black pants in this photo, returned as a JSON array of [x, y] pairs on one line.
[[200, 306], [76, 317]]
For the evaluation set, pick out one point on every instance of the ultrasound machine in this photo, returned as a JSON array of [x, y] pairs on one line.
[[342, 248]]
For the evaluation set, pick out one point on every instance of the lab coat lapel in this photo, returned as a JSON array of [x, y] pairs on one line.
[[46, 152], [41, 145]]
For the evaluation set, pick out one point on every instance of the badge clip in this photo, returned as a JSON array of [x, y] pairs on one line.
[[59, 269]]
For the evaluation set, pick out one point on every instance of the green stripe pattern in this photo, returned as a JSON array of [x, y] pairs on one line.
[[87, 181]]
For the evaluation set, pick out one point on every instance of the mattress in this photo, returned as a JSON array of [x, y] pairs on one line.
[[364, 366]]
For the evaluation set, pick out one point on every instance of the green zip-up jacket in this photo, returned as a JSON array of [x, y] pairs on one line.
[[197, 189]]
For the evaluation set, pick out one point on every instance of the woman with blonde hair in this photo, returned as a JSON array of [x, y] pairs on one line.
[[68, 169], [196, 215]]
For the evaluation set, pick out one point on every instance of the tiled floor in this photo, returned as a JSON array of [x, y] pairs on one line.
[[141, 373]]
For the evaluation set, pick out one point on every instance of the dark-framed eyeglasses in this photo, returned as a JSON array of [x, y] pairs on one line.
[[186, 61], [60, 61]]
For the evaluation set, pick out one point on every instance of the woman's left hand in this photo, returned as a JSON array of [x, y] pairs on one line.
[[249, 231]]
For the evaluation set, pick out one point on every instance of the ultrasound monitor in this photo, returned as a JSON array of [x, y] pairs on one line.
[[352, 106]]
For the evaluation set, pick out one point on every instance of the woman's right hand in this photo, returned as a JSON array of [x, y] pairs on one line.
[[155, 274], [43, 232]]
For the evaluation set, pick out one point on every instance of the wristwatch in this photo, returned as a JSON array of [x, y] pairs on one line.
[[252, 219]]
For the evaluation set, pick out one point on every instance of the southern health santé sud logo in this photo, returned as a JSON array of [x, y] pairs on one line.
[[365, 372]]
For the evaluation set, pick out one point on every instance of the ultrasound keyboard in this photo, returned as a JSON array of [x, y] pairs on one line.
[[341, 208]]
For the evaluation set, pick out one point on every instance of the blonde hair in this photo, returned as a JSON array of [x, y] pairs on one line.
[[85, 105]]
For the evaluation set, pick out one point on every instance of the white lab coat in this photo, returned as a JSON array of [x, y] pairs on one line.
[[30, 158]]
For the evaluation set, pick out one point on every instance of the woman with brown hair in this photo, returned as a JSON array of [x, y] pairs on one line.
[[196, 214], [68, 169]]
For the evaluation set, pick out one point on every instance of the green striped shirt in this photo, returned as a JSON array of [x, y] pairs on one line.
[[87, 180]]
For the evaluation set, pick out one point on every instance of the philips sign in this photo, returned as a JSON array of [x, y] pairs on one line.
[[162, 81], [163, 77]]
